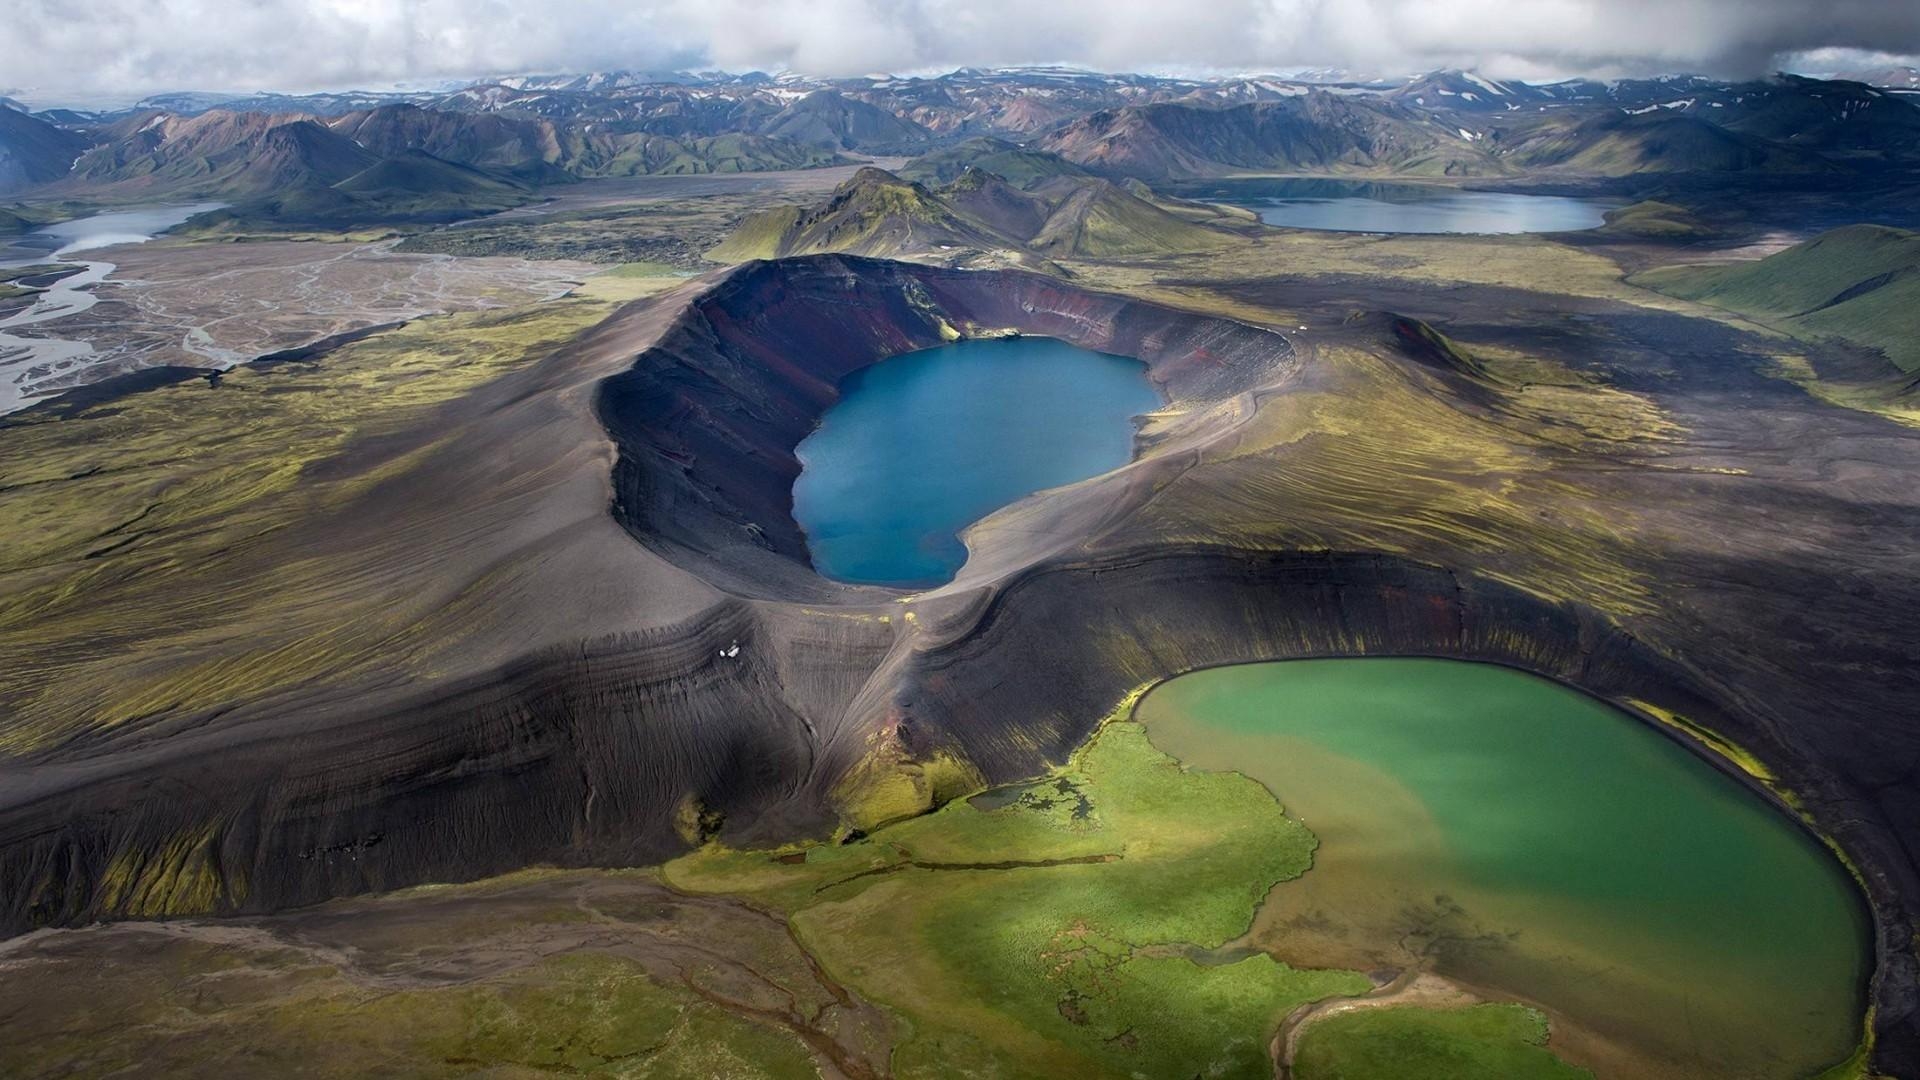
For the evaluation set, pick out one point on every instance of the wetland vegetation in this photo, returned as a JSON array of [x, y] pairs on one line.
[[1052, 931]]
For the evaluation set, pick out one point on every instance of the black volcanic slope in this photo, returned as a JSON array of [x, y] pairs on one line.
[[653, 645]]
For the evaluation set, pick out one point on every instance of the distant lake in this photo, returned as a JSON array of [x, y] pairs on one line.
[[1363, 206], [135, 226], [921, 446]]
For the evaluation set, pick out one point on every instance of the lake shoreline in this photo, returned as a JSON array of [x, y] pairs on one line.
[[1406, 208], [1477, 934]]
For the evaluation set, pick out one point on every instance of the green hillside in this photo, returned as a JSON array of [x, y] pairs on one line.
[[414, 177], [1614, 144], [875, 213], [410, 188], [760, 236], [641, 154], [1861, 282], [1656, 220], [1018, 166], [879, 214], [1097, 219]]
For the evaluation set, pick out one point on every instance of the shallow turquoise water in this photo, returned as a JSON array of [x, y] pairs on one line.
[[1539, 844], [1359, 206], [921, 446]]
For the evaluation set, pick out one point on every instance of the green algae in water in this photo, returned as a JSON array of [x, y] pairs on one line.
[[923, 445], [1537, 844]]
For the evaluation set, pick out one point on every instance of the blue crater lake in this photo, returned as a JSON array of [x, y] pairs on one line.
[[1361, 206], [922, 445]]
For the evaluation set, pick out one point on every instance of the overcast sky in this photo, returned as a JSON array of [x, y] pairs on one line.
[[99, 50]]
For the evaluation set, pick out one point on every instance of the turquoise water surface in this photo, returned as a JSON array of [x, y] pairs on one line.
[[921, 446]]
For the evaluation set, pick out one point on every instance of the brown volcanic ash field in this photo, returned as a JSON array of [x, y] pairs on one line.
[[441, 656]]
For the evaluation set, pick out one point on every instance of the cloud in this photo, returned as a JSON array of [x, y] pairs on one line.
[[106, 48]]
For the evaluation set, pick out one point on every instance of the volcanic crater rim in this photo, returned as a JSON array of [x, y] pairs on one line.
[[706, 420]]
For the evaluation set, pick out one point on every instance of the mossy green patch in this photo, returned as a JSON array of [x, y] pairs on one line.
[[1654, 220], [759, 236], [887, 786], [591, 1013], [1065, 925], [1861, 283], [125, 522], [178, 1008], [1103, 221], [1888, 399], [669, 233], [1859, 1064], [1379, 461], [1410, 1043], [178, 878]]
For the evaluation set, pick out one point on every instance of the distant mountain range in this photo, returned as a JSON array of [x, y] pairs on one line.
[[33, 151], [1887, 78], [1004, 99], [526, 132], [367, 167], [1314, 132], [1460, 125]]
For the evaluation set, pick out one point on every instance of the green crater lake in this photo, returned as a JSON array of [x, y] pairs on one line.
[[1532, 843], [922, 445]]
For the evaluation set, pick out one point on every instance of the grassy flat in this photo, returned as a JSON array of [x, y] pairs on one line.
[[582, 974], [1861, 282], [1054, 929]]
